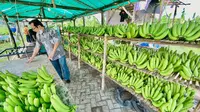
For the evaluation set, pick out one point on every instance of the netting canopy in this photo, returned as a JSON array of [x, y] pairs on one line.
[[56, 9]]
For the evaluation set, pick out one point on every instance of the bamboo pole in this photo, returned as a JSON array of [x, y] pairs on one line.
[[104, 63]]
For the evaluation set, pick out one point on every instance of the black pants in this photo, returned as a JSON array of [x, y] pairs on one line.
[[28, 39]]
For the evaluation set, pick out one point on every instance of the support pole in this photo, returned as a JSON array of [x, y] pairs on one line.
[[83, 21], [175, 11], [104, 63], [47, 24], [20, 33], [74, 21], [62, 31], [79, 52], [102, 18], [11, 34], [70, 57]]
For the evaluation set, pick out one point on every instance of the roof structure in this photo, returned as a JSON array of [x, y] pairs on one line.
[[56, 9]]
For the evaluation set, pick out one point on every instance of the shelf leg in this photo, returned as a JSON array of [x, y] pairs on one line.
[[70, 56], [104, 63]]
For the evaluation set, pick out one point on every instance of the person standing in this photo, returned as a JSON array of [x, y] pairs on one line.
[[55, 51]]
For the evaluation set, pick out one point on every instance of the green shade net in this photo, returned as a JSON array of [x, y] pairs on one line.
[[65, 9]]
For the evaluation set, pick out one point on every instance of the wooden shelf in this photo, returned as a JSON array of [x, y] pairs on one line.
[[174, 78], [139, 96], [102, 37], [162, 42]]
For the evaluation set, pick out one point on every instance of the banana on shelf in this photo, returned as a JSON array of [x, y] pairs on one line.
[[165, 62], [166, 96], [157, 30]]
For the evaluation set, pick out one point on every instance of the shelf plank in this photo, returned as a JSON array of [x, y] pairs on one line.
[[162, 42]]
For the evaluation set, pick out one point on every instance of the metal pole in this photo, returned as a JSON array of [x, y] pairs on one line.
[[83, 21], [175, 11], [11, 34], [102, 18], [104, 64], [79, 52], [47, 24], [20, 33]]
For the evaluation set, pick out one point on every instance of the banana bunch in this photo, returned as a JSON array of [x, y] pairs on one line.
[[99, 63], [178, 98], [136, 82], [60, 106], [110, 30], [132, 31], [96, 46], [28, 93], [189, 31], [66, 47], [119, 53], [142, 59], [120, 31], [85, 43], [156, 31], [138, 58], [100, 31], [74, 39], [74, 50], [43, 76], [112, 70]]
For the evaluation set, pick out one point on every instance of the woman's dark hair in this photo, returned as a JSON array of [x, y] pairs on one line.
[[36, 23]]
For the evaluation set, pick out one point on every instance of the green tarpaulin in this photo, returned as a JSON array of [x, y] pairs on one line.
[[57, 10]]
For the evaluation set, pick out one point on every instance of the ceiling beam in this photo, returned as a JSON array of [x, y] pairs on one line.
[[26, 17], [45, 5]]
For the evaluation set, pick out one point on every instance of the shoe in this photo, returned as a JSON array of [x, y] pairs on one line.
[[67, 81]]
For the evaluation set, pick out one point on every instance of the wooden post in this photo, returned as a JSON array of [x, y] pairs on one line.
[[83, 21], [70, 58], [79, 52], [104, 64], [102, 18], [20, 33]]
